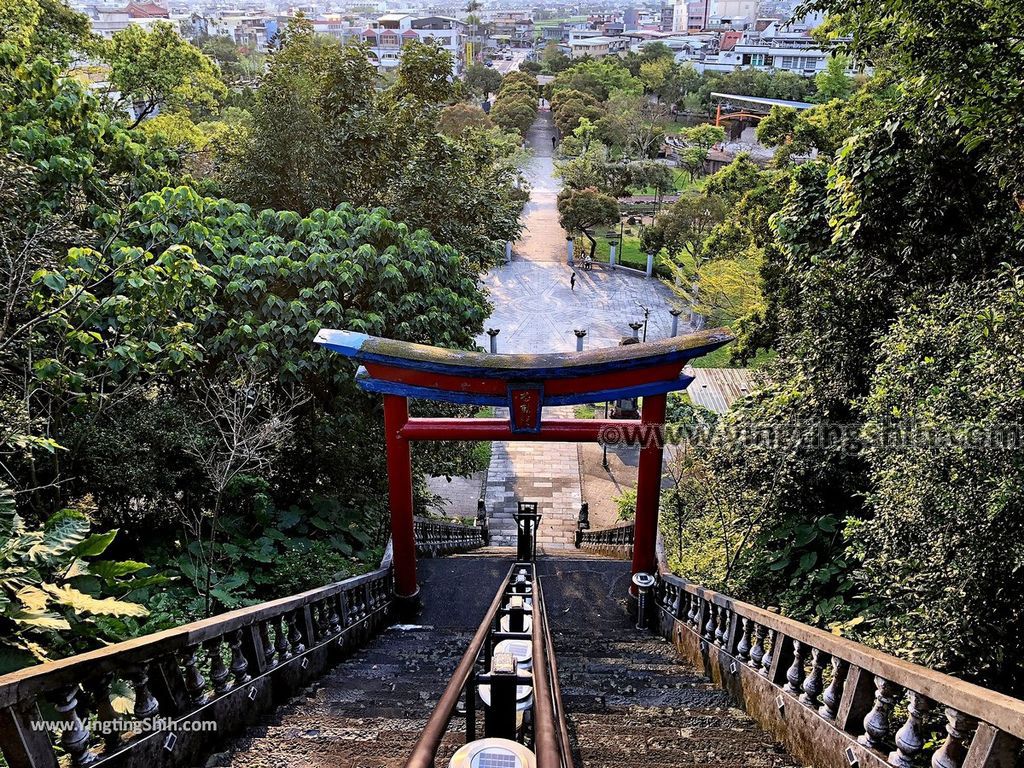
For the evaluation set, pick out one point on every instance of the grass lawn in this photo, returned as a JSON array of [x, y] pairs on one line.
[[681, 181], [720, 359], [631, 255]]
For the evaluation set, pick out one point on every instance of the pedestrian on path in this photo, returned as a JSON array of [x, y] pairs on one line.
[[572, 281], [554, 141]]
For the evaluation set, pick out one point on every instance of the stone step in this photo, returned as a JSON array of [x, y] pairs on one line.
[[631, 703]]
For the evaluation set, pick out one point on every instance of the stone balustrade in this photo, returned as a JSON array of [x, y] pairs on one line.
[[439, 537], [835, 703], [167, 698], [616, 541]]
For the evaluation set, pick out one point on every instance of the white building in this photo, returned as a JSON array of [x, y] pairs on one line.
[[597, 47]]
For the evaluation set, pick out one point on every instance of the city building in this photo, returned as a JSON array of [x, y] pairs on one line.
[[108, 20], [597, 47]]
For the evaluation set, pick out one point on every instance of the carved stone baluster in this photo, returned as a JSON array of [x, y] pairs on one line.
[[146, 705], [323, 624], [743, 646], [314, 615], [757, 649], [218, 671], [268, 647], [74, 738], [294, 634], [712, 622], [766, 660], [677, 602], [332, 615], [834, 693], [877, 729], [691, 616], [105, 713], [722, 630], [910, 738], [795, 673], [953, 751], [239, 664], [195, 684], [814, 684], [281, 644]]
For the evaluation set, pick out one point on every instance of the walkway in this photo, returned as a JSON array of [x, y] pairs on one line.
[[534, 307], [548, 473], [536, 310], [630, 701]]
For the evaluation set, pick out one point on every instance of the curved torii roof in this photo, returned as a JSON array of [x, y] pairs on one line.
[[480, 378]]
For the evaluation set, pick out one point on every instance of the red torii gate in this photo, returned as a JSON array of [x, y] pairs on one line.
[[524, 383]]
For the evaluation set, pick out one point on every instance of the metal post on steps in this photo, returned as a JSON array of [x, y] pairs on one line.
[[580, 334], [643, 583], [493, 333], [675, 321], [527, 522]]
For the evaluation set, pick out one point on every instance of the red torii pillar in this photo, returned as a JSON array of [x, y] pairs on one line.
[[648, 485], [399, 456]]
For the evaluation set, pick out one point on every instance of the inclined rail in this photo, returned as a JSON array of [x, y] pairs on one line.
[[547, 731]]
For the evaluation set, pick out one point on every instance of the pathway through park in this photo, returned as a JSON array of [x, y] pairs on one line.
[[536, 311]]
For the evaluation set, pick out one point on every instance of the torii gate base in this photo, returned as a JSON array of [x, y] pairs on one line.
[[524, 384]]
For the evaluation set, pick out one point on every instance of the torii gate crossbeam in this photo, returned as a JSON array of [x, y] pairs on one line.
[[525, 383]]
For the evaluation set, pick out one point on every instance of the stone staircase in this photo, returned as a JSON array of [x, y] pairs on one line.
[[547, 473], [366, 713], [631, 702]]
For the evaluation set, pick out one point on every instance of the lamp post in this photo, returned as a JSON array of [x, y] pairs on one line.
[[647, 314], [604, 446]]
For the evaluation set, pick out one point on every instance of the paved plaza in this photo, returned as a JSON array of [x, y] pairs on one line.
[[536, 310], [534, 307]]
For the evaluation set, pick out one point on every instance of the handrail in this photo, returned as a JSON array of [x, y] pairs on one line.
[[546, 744], [551, 738], [559, 707], [618, 539], [425, 749], [203, 669], [439, 537], [854, 688]]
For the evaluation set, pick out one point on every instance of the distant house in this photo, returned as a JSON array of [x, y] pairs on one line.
[[598, 47], [108, 20]]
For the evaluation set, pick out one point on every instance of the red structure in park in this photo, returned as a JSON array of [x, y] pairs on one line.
[[525, 384]]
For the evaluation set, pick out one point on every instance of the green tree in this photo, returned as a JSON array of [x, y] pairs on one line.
[[942, 551], [323, 133], [482, 80], [459, 118], [580, 210], [598, 77], [833, 82], [45, 28], [158, 69]]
